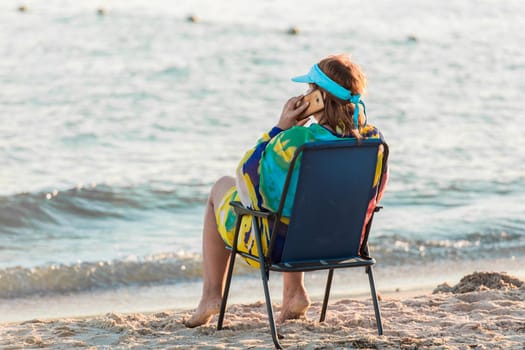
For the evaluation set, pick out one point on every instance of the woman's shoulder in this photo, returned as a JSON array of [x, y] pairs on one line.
[[296, 134], [286, 142]]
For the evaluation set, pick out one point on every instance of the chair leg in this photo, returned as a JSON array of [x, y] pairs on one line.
[[264, 277], [374, 299], [326, 294], [226, 289], [230, 273]]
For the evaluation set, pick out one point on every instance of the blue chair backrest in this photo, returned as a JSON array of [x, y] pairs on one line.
[[333, 192]]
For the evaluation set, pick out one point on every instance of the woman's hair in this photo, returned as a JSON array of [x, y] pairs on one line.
[[338, 114]]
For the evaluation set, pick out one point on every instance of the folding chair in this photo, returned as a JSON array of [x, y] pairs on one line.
[[333, 192]]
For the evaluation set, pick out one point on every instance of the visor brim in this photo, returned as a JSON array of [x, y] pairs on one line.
[[303, 79]]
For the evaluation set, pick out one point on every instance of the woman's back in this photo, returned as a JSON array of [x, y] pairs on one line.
[[276, 158]]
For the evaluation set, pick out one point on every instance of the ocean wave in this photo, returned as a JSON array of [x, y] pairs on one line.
[[398, 250], [16, 282], [27, 210]]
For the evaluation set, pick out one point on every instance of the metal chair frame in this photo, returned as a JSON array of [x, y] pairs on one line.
[[267, 263]]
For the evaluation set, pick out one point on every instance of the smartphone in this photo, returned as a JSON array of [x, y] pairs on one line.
[[316, 104]]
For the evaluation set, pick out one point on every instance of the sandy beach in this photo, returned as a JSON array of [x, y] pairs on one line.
[[483, 311]]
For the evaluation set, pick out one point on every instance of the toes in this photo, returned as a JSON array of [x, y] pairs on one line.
[[197, 320], [201, 317], [294, 310]]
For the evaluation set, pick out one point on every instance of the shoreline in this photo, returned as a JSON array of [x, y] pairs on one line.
[[391, 281], [485, 311]]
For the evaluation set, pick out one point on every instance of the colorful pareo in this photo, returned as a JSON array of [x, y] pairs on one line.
[[260, 181]]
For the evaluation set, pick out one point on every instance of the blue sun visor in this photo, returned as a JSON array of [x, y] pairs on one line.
[[318, 77]]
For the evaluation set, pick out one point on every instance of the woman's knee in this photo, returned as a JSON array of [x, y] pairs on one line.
[[220, 187]]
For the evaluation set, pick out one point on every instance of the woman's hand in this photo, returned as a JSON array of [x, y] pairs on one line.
[[292, 109]]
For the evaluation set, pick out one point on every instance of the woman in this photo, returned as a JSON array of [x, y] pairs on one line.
[[261, 175]]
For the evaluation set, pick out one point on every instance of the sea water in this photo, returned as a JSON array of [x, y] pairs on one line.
[[114, 126]]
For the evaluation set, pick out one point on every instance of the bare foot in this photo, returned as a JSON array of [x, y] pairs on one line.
[[203, 314], [294, 308]]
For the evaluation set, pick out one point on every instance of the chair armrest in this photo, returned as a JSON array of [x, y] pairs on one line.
[[240, 210]]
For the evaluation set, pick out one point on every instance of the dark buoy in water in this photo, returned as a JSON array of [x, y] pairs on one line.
[[101, 11], [293, 30], [411, 38], [22, 8], [192, 19]]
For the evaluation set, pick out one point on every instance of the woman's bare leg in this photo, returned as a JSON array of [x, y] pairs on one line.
[[215, 265], [295, 297], [215, 258]]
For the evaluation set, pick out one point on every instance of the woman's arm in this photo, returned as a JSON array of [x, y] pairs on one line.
[[248, 175]]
